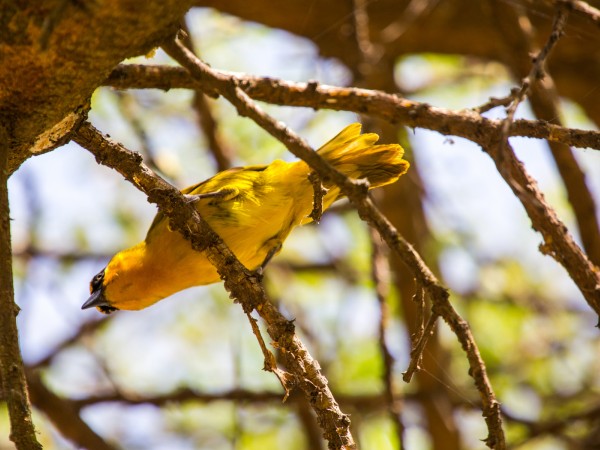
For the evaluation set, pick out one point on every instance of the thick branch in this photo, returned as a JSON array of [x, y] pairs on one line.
[[389, 107], [541, 90], [557, 240], [55, 53]]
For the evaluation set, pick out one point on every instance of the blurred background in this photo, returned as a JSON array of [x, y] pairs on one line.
[[186, 373]]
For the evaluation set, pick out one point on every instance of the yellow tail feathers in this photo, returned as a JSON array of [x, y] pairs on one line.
[[357, 156]]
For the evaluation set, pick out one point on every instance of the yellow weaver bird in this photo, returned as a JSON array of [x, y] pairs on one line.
[[253, 209]]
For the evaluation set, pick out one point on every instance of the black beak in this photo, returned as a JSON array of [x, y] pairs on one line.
[[96, 300]]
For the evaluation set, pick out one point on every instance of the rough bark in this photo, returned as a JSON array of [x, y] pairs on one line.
[[12, 374], [55, 53]]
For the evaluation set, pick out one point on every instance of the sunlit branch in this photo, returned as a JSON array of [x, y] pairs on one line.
[[389, 107], [243, 285], [357, 192], [543, 97], [558, 242]]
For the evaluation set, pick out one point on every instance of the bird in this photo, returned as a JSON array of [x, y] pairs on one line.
[[253, 209]]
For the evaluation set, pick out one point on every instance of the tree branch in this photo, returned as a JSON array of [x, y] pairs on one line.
[[243, 285], [537, 71], [418, 346], [579, 8], [558, 242], [389, 107], [544, 101], [357, 192], [12, 374], [53, 58], [206, 120], [368, 403]]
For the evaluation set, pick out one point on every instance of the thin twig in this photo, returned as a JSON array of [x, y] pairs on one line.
[[417, 337], [270, 365], [206, 119], [494, 102], [537, 71], [416, 353], [126, 104], [419, 299]]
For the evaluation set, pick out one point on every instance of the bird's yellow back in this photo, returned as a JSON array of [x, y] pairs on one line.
[[253, 209]]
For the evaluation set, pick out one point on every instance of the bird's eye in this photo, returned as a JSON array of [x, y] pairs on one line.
[[96, 282]]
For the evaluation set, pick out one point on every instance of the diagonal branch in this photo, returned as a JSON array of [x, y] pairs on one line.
[[544, 101], [243, 285], [558, 242], [537, 71], [357, 193], [578, 8], [418, 347]]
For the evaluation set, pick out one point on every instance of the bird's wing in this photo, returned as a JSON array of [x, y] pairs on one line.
[[210, 189]]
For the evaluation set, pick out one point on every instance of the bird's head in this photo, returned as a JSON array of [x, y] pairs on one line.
[[129, 282], [97, 298]]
